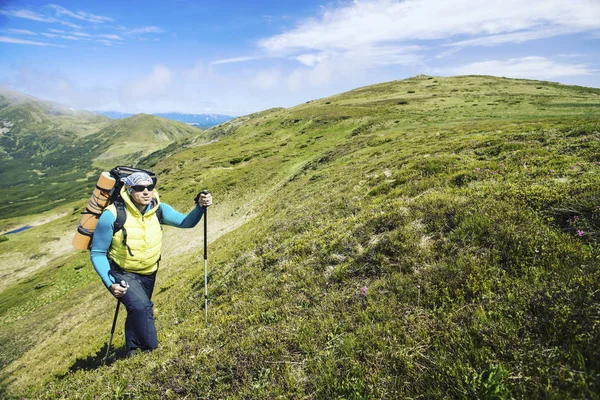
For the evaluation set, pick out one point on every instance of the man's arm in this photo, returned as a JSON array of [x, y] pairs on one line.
[[190, 220], [100, 244], [174, 218]]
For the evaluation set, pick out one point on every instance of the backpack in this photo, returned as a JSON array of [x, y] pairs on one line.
[[108, 191]]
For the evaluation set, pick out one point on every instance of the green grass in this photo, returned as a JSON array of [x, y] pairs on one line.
[[375, 244]]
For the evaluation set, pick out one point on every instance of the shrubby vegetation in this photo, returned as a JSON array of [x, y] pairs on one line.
[[371, 249]]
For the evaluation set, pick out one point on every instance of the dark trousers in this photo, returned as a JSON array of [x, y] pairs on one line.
[[140, 331]]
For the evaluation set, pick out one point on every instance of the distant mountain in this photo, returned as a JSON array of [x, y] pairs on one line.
[[203, 121], [42, 117], [138, 136]]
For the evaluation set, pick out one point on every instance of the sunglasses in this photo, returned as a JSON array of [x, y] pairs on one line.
[[141, 188]]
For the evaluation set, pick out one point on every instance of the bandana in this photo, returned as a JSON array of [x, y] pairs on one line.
[[136, 178]]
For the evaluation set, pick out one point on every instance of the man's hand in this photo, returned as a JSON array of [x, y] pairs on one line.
[[204, 198], [119, 289]]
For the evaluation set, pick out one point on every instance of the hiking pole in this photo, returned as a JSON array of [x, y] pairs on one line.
[[205, 263], [112, 330]]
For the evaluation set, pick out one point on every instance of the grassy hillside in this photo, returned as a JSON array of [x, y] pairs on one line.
[[51, 155], [143, 133], [25, 114], [431, 237]]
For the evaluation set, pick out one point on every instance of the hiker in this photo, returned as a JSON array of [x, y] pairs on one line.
[[132, 254]]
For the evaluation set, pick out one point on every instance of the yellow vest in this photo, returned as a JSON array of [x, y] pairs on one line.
[[144, 238]]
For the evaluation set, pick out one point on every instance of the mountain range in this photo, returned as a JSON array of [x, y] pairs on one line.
[[431, 237]]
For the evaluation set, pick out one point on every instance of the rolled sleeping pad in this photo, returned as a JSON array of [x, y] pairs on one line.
[[98, 202]]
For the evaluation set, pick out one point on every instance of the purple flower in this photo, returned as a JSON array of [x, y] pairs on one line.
[[363, 290], [129, 386], [59, 392], [580, 233]]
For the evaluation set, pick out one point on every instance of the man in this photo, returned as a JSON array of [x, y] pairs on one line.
[[127, 261]]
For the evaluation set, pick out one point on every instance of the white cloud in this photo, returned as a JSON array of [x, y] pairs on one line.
[[111, 37], [105, 42], [313, 59], [53, 35], [526, 67], [21, 32], [515, 37], [5, 39], [26, 14], [81, 15], [35, 16], [153, 83], [147, 29], [374, 22], [235, 60]]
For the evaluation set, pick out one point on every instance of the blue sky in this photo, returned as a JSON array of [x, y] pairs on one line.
[[238, 57]]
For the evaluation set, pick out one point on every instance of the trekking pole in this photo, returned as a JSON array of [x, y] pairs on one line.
[[112, 330], [205, 263]]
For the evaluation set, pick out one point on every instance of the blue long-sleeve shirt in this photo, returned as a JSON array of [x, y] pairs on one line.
[[105, 228]]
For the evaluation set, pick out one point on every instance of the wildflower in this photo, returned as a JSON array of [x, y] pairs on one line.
[[129, 386], [59, 392], [572, 167], [552, 171], [363, 290], [477, 169], [580, 233]]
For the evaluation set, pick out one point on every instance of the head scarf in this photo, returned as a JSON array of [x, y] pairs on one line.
[[136, 178]]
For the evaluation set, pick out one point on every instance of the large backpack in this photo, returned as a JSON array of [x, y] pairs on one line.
[[102, 197]]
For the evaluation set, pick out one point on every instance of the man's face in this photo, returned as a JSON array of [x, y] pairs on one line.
[[142, 197]]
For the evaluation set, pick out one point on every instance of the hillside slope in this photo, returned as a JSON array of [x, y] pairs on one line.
[[431, 237], [136, 137], [21, 114]]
